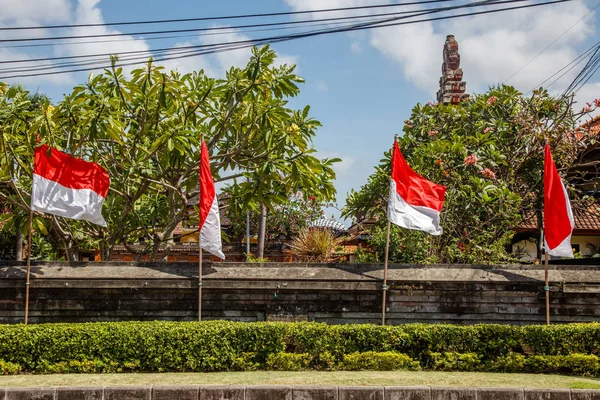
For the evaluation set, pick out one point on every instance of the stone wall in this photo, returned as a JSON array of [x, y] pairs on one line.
[[294, 393], [336, 293]]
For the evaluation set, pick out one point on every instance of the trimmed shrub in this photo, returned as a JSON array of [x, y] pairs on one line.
[[8, 368], [288, 361], [232, 346], [379, 361], [450, 361]]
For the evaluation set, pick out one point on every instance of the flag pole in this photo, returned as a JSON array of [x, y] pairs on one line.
[[547, 288], [199, 236], [27, 282], [384, 287]]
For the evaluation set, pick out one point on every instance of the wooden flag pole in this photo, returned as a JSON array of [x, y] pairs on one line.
[[547, 288], [199, 280], [384, 288], [27, 282]]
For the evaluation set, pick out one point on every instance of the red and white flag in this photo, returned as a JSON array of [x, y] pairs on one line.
[[67, 186], [558, 217], [210, 222], [414, 202]]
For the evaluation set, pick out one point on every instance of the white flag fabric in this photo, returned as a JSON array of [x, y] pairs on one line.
[[414, 202], [210, 222], [67, 186]]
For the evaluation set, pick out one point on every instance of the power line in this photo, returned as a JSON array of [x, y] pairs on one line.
[[420, 12], [277, 39], [216, 28], [161, 50], [225, 17], [550, 45], [573, 63]]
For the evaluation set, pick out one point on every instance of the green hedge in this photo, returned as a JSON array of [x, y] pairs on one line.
[[231, 346]]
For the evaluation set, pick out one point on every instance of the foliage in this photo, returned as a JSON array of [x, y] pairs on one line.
[[488, 152], [231, 346], [145, 127], [451, 361], [406, 246], [253, 259], [283, 220], [379, 361], [8, 368], [288, 361], [315, 245]]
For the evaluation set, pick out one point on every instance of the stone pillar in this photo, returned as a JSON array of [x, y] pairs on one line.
[[452, 88]]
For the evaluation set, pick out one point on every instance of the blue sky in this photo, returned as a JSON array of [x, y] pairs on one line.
[[361, 86]]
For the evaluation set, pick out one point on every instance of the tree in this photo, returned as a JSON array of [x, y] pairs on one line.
[[145, 129], [284, 220], [488, 152]]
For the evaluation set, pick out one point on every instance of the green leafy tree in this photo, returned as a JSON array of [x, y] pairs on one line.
[[488, 152], [145, 129]]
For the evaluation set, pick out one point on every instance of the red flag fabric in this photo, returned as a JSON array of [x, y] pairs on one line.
[[210, 222], [558, 217], [414, 202], [67, 186]]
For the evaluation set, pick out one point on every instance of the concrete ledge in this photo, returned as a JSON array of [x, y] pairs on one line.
[[585, 394], [453, 393], [128, 392], [222, 392], [407, 393], [79, 393], [500, 394], [175, 392], [30, 393], [360, 393], [320, 393], [293, 393], [268, 393], [547, 394]]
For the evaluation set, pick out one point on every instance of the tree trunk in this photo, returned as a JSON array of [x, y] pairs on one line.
[[262, 227], [19, 246]]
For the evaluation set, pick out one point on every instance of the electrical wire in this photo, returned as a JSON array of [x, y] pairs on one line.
[[249, 43], [168, 49], [550, 45], [226, 17]]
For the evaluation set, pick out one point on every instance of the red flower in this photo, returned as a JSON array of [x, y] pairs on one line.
[[488, 173], [597, 102], [491, 100], [446, 172], [408, 123], [489, 129], [312, 198], [432, 133], [439, 161], [471, 160]]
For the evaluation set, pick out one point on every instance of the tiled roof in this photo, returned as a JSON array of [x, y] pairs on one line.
[[585, 219]]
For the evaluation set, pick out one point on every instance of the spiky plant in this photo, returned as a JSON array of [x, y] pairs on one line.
[[315, 245]]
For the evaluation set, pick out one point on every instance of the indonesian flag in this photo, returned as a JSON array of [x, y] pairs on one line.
[[414, 202], [558, 217], [67, 186], [210, 223]]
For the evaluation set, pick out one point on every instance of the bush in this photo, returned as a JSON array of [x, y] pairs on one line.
[[375, 361], [288, 361], [450, 361], [231, 346], [8, 368]]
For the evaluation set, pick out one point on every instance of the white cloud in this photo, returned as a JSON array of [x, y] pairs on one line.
[[492, 46], [356, 47]]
